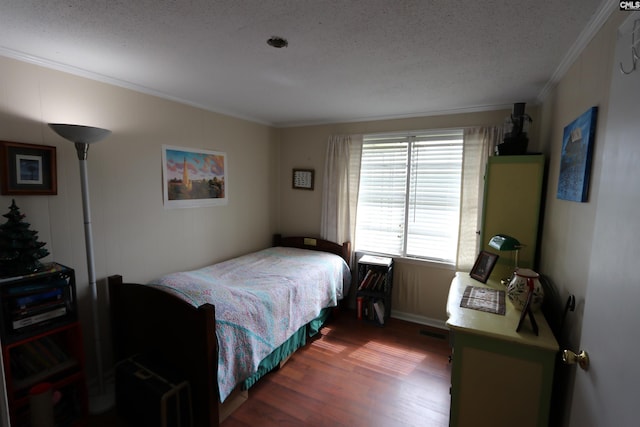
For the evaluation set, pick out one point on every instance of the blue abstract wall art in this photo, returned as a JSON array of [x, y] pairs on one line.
[[575, 159]]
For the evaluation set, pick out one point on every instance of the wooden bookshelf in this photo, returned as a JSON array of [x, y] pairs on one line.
[[42, 345], [375, 282]]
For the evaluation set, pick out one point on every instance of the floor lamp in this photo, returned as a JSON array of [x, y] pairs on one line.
[[82, 136]]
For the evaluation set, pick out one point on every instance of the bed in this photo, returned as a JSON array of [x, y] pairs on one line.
[[226, 325]]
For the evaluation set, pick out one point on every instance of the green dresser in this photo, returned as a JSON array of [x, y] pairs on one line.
[[499, 377]]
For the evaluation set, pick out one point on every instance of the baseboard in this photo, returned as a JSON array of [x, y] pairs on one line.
[[421, 320]]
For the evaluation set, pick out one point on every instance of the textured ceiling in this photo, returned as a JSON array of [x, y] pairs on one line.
[[346, 60]]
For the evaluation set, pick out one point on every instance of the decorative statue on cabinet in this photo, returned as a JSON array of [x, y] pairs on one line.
[[516, 127]]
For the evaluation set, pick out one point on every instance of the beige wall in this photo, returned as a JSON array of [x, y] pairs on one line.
[[134, 235], [420, 289], [568, 226]]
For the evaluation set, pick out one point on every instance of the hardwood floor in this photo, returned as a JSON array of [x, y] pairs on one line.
[[356, 374]]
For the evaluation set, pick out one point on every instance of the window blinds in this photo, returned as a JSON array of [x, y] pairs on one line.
[[409, 199]]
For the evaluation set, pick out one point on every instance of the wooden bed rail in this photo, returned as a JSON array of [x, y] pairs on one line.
[[152, 322]]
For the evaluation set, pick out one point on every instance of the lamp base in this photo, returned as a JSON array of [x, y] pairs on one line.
[[101, 401]]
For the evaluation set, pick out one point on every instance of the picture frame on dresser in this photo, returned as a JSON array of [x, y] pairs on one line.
[[526, 311], [483, 266], [27, 169]]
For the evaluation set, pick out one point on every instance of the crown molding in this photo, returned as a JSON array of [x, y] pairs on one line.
[[80, 72], [601, 16]]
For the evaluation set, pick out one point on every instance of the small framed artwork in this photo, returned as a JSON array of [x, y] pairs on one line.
[[27, 169], [193, 177], [483, 266], [575, 159], [302, 179], [526, 311]]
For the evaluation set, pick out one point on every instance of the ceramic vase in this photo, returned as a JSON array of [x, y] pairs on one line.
[[523, 282]]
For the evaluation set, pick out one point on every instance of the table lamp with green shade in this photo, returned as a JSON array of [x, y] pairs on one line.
[[502, 242]]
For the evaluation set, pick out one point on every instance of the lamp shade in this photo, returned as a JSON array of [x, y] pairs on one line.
[[502, 242], [80, 134]]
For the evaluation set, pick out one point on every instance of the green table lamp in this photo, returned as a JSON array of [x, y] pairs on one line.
[[502, 242]]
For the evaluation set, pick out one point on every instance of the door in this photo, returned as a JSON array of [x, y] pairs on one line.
[[607, 393]]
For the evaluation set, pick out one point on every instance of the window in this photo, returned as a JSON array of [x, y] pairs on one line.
[[409, 195]]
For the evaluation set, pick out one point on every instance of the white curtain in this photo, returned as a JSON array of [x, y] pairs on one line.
[[340, 188], [479, 144]]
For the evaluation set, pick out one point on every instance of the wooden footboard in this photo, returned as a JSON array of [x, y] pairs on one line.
[[149, 321]]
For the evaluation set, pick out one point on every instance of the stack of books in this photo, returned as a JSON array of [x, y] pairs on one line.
[[37, 303], [38, 358], [373, 281]]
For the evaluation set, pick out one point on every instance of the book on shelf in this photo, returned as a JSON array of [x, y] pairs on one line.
[[30, 300], [38, 358], [46, 352], [379, 308], [374, 281], [54, 348], [33, 318], [380, 283], [37, 309], [37, 286], [368, 311], [367, 280], [27, 360], [24, 366]]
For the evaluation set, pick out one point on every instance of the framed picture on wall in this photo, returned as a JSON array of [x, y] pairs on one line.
[[302, 179], [27, 169], [193, 177]]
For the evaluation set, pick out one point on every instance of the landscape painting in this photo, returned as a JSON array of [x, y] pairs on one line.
[[575, 159], [193, 177]]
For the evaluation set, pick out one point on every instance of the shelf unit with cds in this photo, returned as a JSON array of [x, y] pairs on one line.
[[42, 345]]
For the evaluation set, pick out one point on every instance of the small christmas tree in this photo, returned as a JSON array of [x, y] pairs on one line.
[[19, 246]]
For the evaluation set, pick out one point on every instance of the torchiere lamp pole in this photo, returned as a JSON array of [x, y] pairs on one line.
[[82, 136]]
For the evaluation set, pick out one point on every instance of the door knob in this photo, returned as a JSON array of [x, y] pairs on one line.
[[570, 358]]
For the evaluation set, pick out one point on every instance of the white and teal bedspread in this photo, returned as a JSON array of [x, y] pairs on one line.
[[261, 299]]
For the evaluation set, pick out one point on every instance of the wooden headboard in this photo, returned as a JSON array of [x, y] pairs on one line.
[[316, 244]]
